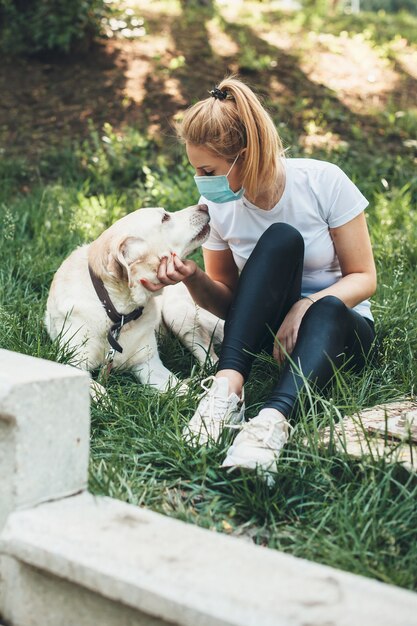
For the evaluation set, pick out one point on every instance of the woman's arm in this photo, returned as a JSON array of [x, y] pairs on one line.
[[358, 282], [212, 290], [354, 251]]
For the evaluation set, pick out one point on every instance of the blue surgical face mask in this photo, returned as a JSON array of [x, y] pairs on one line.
[[217, 188]]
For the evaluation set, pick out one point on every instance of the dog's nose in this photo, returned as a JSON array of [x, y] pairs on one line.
[[203, 207]]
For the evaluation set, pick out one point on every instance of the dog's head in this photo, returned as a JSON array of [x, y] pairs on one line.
[[132, 248]]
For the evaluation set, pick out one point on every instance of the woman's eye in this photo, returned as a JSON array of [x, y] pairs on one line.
[[208, 173]]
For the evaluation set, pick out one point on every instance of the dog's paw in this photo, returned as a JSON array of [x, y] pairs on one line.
[[182, 389], [98, 393], [174, 384]]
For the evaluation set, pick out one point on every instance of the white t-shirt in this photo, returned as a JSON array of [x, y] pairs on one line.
[[317, 196]]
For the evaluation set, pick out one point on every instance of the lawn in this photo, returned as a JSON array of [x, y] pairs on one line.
[[341, 88]]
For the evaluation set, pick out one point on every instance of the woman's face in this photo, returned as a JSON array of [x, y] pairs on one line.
[[206, 163]]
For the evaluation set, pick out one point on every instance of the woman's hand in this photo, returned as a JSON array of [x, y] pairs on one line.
[[287, 334], [170, 272]]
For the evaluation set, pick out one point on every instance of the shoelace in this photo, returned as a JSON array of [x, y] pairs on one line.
[[216, 404], [203, 384], [256, 432]]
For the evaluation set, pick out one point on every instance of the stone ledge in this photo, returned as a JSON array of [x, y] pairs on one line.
[[180, 573], [41, 599]]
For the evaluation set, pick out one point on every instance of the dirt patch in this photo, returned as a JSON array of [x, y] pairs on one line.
[[45, 102], [146, 81], [353, 70]]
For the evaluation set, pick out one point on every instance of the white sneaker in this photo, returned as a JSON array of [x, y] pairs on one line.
[[217, 409], [259, 443]]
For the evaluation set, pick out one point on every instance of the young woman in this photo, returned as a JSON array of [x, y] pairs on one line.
[[288, 265]]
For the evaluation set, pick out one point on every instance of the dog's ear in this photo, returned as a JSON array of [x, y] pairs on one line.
[[127, 251]]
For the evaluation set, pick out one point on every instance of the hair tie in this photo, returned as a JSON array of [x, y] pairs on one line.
[[218, 94]]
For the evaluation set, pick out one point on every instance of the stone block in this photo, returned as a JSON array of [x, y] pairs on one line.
[[386, 431], [44, 431]]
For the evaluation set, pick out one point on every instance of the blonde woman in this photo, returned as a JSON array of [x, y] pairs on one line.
[[288, 265]]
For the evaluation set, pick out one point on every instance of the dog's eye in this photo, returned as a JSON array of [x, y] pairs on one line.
[[166, 217]]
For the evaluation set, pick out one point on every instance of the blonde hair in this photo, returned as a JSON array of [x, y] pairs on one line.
[[227, 126]]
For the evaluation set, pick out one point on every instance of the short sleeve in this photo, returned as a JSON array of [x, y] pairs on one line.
[[214, 241], [342, 199]]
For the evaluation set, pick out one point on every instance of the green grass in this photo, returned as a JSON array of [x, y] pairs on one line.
[[358, 515]]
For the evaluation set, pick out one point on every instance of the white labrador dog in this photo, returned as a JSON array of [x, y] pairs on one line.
[[98, 307]]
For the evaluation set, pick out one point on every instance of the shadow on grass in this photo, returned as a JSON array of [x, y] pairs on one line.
[[45, 102]]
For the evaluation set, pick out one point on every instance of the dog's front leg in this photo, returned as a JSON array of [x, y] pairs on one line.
[[152, 372], [86, 352]]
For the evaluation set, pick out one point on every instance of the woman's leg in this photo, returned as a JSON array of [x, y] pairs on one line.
[[268, 286], [331, 335]]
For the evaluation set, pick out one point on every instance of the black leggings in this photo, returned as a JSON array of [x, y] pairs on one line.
[[330, 335]]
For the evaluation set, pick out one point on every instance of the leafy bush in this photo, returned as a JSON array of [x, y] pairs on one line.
[[132, 164], [39, 26]]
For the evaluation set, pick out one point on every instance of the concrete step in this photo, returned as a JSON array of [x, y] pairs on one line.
[[89, 561]]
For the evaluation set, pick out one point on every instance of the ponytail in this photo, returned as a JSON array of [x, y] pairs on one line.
[[226, 125]]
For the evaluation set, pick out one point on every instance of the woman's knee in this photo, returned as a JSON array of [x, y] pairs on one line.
[[329, 307], [282, 236]]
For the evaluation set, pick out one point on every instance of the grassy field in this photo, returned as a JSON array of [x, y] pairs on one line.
[[358, 515]]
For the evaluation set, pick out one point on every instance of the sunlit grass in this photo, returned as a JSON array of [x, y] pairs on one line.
[[353, 514]]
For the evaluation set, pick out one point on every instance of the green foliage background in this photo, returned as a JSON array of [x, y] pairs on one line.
[[36, 26]]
